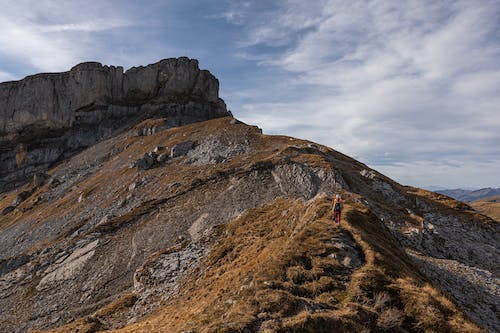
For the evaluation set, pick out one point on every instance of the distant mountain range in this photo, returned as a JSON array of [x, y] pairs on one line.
[[471, 195]]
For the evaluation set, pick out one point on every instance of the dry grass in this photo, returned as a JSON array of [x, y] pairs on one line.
[[488, 208], [389, 277], [83, 325], [391, 319], [381, 300], [121, 304], [271, 270]]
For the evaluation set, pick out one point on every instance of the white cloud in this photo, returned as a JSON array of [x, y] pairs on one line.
[[416, 79], [236, 13], [25, 44], [89, 26], [428, 172], [478, 84], [393, 83], [54, 35]]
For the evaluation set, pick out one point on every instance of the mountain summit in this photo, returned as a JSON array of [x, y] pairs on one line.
[[160, 212], [46, 118]]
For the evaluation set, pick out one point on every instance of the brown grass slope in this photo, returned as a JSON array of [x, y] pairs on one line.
[[273, 270], [270, 275], [488, 206], [276, 264]]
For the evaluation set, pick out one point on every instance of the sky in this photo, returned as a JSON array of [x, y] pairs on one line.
[[411, 88]]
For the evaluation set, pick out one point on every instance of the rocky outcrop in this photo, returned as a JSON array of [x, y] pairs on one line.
[[181, 149], [45, 118], [474, 288], [214, 150]]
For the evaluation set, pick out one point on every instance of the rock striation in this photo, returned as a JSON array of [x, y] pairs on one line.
[[46, 118]]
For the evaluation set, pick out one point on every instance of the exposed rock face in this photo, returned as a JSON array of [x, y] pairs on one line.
[[470, 286], [181, 149], [47, 117], [147, 161], [213, 150]]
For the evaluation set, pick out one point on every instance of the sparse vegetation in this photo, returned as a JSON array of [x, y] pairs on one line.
[[280, 276], [488, 206], [279, 267]]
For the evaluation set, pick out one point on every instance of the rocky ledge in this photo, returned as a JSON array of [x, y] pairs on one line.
[[46, 118]]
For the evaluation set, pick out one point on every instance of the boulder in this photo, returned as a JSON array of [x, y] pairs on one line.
[[181, 149], [7, 210], [53, 182], [370, 174], [162, 158], [21, 197], [158, 149], [39, 179], [147, 161]]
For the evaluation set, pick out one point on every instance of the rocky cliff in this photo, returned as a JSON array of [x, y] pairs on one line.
[[48, 117]]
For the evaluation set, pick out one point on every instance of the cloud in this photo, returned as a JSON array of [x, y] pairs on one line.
[[53, 36], [415, 81], [429, 172], [89, 26], [236, 13], [392, 83]]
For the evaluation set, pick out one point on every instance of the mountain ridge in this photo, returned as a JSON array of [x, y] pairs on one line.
[[489, 206], [213, 226], [471, 195]]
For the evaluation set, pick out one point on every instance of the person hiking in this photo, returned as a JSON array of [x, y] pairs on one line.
[[337, 207]]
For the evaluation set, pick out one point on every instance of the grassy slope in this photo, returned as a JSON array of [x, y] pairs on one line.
[[267, 274], [272, 271], [488, 206]]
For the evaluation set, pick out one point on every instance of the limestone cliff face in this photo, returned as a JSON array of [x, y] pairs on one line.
[[47, 117], [56, 100]]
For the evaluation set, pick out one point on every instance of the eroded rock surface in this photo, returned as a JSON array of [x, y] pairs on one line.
[[45, 118], [474, 288]]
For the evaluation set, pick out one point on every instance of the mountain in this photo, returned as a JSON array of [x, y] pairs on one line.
[[471, 195], [46, 118], [212, 226], [489, 206]]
